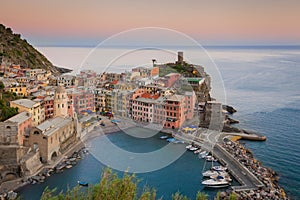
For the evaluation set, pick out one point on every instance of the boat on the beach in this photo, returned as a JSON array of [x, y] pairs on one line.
[[83, 183], [218, 182], [163, 137]]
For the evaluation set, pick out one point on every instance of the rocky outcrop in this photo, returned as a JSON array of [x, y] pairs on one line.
[[229, 109], [15, 50]]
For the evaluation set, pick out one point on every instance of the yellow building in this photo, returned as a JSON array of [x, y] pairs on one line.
[[19, 90], [34, 108]]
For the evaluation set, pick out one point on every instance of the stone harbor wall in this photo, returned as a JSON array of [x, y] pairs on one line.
[[31, 163]]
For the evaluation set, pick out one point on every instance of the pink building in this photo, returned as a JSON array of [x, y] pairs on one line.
[[143, 107], [168, 80], [82, 100]]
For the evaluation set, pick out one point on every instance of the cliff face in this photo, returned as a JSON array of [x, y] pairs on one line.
[[15, 50]]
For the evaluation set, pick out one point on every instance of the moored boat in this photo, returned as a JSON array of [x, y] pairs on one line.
[[216, 183], [210, 173], [83, 183], [203, 154], [193, 148], [189, 146], [163, 137], [211, 159], [171, 139], [197, 151], [219, 168]]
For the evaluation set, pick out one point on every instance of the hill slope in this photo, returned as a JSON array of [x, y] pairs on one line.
[[15, 50]]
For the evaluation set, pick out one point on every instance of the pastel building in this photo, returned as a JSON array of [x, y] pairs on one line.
[[18, 90], [82, 99], [36, 109]]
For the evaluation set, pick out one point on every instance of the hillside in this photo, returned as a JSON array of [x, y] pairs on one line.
[[15, 50]]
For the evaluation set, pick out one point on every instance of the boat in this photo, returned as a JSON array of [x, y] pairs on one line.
[[203, 154], [197, 151], [171, 139], [82, 183], [210, 173], [216, 183], [189, 146], [179, 142], [219, 168], [211, 159], [163, 137], [224, 175], [69, 166], [193, 149]]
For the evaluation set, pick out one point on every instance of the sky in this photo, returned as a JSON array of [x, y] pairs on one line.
[[86, 22]]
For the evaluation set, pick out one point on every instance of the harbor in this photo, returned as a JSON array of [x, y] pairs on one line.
[[255, 180]]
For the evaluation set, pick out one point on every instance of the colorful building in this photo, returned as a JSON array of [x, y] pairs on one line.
[[82, 99], [36, 109]]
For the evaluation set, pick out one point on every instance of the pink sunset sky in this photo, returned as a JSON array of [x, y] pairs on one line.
[[209, 22]]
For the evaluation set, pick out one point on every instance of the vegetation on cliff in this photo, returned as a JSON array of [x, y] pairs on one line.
[[6, 111], [15, 50]]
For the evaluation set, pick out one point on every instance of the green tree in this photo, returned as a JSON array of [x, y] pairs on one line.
[[232, 196], [201, 196], [179, 196]]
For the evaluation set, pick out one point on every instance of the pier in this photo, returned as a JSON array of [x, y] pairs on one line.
[[211, 140]]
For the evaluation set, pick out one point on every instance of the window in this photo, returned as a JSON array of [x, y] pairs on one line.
[[36, 132]]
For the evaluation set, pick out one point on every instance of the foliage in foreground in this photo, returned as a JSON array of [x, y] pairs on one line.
[[111, 187]]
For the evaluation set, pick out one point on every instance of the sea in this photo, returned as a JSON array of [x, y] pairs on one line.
[[261, 82]]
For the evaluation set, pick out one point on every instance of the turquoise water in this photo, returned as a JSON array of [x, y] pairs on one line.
[[261, 82], [183, 175]]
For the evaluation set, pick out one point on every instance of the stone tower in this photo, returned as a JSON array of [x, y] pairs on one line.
[[60, 102]]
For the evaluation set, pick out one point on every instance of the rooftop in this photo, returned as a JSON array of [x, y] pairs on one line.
[[19, 118], [49, 126], [25, 102], [175, 98], [194, 79]]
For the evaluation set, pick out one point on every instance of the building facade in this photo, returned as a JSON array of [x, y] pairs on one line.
[[36, 109]]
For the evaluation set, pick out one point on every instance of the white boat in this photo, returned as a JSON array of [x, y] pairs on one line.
[[197, 151], [179, 142], [210, 173], [203, 154], [216, 183], [211, 159], [219, 168], [193, 148], [189, 146], [221, 175], [163, 137]]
